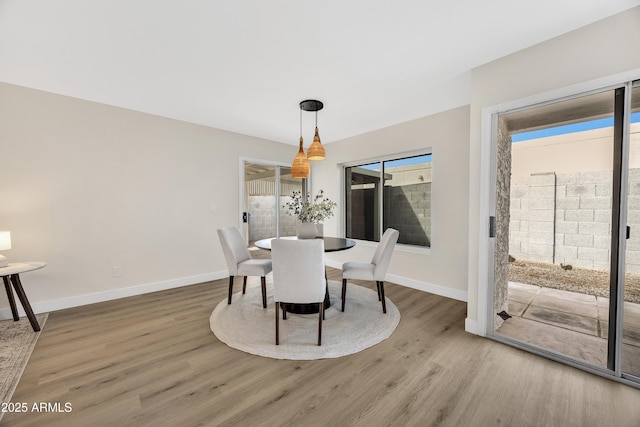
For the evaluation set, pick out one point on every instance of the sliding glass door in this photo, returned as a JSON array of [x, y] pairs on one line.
[[566, 265], [267, 187], [630, 322]]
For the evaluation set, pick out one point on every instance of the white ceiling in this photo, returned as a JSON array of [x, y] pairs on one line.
[[244, 65]]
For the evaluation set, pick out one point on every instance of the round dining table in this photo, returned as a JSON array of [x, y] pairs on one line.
[[331, 244], [11, 276]]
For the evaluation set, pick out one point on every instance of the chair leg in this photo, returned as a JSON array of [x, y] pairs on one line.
[[284, 311], [277, 325], [320, 316], [384, 303], [230, 289], [263, 281], [378, 288], [244, 285], [344, 292]]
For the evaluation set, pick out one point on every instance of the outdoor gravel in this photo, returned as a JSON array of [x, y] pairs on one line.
[[590, 282]]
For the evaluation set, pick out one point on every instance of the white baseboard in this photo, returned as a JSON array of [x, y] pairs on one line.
[[415, 284], [76, 301]]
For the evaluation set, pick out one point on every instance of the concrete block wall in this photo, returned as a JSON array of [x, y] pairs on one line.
[[633, 221], [583, 214], [532, 217], [566, 218], [262, 218], [411, 213]]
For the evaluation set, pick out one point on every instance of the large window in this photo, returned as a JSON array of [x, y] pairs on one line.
[[392, 193]]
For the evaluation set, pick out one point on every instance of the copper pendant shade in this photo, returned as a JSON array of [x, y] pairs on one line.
[[300, 167], [316, 150]]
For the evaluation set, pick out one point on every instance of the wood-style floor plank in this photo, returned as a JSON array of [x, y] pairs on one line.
[[151, 360]]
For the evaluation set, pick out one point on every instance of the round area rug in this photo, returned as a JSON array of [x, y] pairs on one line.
[[246, 326]]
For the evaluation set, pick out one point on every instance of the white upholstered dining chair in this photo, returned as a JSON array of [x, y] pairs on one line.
[[298, 276], [375, 270], [240, 263]]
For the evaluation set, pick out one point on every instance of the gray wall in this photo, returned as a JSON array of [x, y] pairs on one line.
[[411, 213], [262, 219]]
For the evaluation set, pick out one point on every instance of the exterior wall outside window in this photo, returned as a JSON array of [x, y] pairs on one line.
[[563, 215], [406, 201], [262, 222]]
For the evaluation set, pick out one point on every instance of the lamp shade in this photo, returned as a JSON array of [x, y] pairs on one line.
[[300, 167], [316, 150], [5, 240], [5, 243]]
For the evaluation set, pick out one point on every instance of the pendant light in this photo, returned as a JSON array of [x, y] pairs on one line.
[[300, 167], [316, 150]]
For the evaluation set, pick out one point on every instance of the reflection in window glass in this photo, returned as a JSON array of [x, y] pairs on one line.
[[393, 193]]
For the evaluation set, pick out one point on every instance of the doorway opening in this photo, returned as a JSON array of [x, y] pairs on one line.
[[566, 265], [267, 188]]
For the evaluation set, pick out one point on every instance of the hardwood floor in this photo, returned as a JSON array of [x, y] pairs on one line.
[[151, 360]]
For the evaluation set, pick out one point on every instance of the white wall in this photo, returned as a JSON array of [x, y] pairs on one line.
[[442, 268], [589, 57], [86, 187]]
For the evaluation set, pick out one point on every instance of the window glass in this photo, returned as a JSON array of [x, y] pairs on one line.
[[392, 193], [407, 199]]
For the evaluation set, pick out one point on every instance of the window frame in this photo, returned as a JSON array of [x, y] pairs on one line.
[[427, 151]]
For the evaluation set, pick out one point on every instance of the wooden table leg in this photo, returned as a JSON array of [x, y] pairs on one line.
[[15, 279], [12, 300]]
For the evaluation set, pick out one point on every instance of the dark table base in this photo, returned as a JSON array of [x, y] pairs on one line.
[[14, 280], [306, 308]]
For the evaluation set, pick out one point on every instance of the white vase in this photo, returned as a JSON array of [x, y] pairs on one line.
[[307, 230], [319, 230]]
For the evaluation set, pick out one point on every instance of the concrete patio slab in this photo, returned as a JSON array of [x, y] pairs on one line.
[[631, 359], [516, 308], [631, 312], [630, 335], [568, 302], [582, 346], [522, 292], [570, 323], [561, 319]]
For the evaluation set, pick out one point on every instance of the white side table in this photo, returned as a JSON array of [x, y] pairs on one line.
[[11, 275]]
